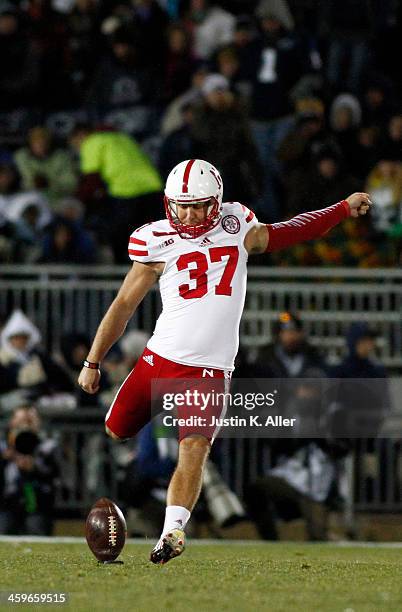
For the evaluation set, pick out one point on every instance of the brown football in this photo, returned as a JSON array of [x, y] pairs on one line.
[[105, 530]]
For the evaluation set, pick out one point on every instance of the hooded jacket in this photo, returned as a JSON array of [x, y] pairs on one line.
[[31, 368], [362, 404], [354, 366]]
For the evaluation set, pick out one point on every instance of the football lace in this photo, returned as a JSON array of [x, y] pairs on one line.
[[112, 530]]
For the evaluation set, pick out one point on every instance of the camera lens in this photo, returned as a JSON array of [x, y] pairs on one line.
[[26, 442]]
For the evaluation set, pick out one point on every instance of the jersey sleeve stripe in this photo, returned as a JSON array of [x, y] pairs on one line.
[[138, 241], [164, 233], [135, 252], [250, 216]]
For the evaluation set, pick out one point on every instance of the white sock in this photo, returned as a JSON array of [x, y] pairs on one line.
[[176, 517]]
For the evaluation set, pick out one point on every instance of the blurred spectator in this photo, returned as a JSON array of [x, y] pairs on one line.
[[308, 134], [245, 369], [299, 486], [74, 349], [133, 183], [116, 369], [151, 21], [321, 184], [84, 44], [324, 183], [384, 183], [124, 87], [349, 33], [20, 60], [244, 35], [173, 118], [73, 210], [378, 102], [28, 233], [277, 63], [221, 133], [67, 242], [178, 144], [361, 408], [210, 26], [15, 206], [13, 201], [359, 363], [290, 354], [228, 65], [23, 216], [43, 167], [345, 117], [391, 146], [24, 367], [117, 15], [366, 152], [133, 344], [28, 472], [303, 479], [237, 60], [49, 32], [179, 63]]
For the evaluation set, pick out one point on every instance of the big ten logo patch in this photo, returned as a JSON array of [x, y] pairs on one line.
[[166, 243]]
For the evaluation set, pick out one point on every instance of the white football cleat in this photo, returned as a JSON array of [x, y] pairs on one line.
[[171, 545]]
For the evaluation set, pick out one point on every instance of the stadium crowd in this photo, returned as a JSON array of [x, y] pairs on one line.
[[296, 103], [303, 479]]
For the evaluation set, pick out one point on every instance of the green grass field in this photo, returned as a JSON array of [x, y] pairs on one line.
[[246, 577]]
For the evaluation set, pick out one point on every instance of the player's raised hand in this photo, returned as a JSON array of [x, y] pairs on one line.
[[359, 204], [89, 379]]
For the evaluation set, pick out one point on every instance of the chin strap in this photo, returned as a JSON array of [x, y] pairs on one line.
[[306, 226]]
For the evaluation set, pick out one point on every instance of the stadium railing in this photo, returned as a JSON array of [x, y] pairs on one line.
[[62, 299], [92, 465]]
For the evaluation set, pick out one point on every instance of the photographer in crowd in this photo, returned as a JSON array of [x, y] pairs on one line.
[[28, 472]]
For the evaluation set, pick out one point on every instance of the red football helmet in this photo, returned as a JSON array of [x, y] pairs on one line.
[[194, 181]]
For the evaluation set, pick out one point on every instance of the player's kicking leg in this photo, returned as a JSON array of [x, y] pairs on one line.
[[183, 492]]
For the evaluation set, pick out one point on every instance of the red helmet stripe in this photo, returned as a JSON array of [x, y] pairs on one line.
[[186, 175]]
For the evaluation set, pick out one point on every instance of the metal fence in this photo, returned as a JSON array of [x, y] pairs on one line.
[[92, 465], [61, 299]]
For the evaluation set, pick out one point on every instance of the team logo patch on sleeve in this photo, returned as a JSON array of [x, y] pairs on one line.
[[231, 224]]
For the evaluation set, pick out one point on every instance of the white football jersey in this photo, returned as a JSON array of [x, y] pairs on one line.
[[203, 288]]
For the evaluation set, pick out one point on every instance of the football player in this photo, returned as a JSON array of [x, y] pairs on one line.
[[199, 256]]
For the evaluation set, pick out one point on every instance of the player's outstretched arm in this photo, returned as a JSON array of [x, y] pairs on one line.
[[136, 285], [267, 238]]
